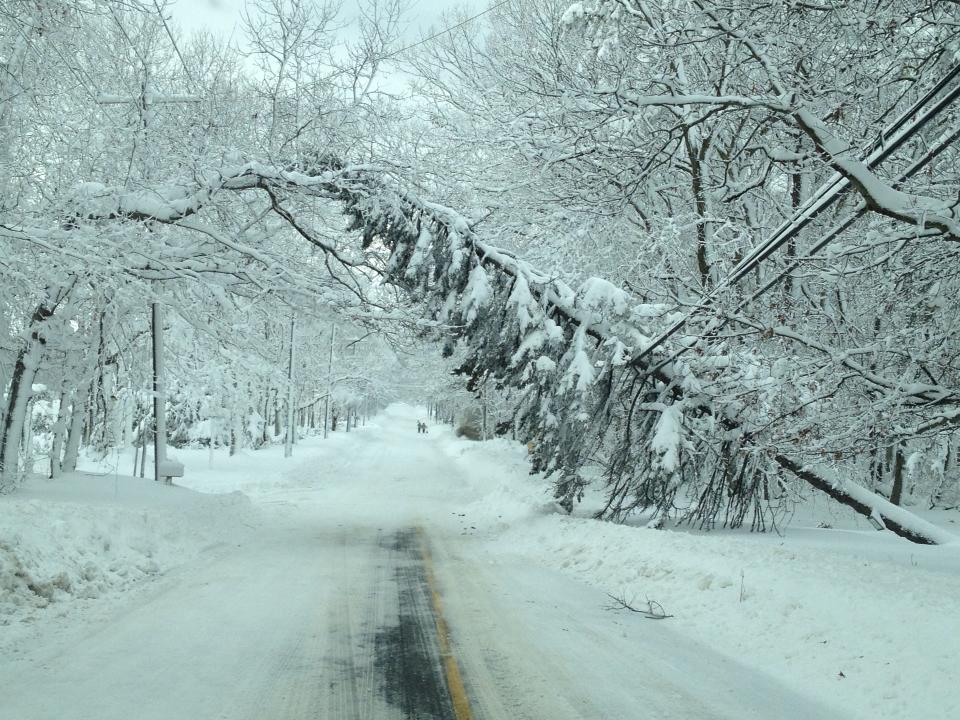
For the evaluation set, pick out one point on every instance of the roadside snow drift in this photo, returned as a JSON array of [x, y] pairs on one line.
[[866, 623], [84, 536]]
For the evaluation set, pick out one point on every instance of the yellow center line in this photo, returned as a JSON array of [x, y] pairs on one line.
[[458, 694]]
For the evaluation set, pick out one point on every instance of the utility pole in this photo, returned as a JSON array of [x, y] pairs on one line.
[[145, 102], [288, 442], [159, 394], [326, 404]]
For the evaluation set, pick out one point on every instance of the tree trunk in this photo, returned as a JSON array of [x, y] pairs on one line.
[[896, 492], [126, 412], [109, 436], [266, 418], [876, 469], [27, 443], [143, 449], [695, 154], [871, 505], [233, 435], [4, 333], [21, 386], [72, 451], [277, 426], [59, 435], [88, 418], [21, 390]]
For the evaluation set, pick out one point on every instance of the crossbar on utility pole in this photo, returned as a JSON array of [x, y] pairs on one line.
[[145, 102]]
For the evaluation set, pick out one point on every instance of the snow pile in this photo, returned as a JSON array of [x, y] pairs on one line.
[[490, 470], [84, 537], [866, 623]]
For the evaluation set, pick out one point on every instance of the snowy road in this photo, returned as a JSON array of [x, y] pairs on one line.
[[330, 609], [297, 624]]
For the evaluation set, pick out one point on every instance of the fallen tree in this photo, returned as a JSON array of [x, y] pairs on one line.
[[570, 353]]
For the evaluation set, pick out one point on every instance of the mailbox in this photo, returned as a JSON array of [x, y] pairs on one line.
[[169, 469]]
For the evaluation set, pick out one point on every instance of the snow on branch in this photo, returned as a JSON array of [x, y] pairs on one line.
[[923, 393], [917, 210], [603, 19], [519, 323], [893, 517], [542, 321]]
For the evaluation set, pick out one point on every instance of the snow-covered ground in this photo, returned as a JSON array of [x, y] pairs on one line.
[[863, 621], [865, 624], [76, 546]]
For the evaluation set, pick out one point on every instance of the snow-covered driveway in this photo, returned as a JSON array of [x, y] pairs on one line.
[[328, 610]]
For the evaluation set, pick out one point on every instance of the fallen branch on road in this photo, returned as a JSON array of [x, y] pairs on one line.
[[653, 611]]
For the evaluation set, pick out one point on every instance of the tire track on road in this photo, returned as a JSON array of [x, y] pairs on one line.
[[409, 653]]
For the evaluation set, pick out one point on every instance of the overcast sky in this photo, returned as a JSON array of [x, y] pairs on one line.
[[222, 16]]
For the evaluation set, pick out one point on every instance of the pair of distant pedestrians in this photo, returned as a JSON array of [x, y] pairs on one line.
[[421, 427]]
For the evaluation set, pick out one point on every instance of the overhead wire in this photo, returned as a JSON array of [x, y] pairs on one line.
[[945, 141], [90, 86], [908, 123], [423, 41], [448, 30], [173, 42]]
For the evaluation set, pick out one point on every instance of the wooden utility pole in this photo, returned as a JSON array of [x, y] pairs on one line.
[[159, 392], [145, 102], [326, 404], [288, 442]]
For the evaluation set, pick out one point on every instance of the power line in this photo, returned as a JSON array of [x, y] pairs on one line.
[[173, 41], [448, 30], [909, 123], [425, 40], [395, 53], [88, 84]]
